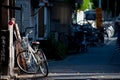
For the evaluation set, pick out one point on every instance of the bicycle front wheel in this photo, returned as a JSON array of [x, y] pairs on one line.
[[43, 65], [26, 62]]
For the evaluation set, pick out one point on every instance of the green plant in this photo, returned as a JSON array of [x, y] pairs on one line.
[[54, 49], [85, 5], [61, 50]]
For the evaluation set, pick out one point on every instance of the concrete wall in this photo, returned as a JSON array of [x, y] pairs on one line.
[[26, 15]]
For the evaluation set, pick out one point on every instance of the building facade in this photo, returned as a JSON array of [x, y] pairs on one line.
[[44, 17]]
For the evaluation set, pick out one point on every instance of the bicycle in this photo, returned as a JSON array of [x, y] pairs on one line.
[[31, 59]]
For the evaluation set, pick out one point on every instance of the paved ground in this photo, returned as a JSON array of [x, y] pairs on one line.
[[99, 63], [101, 59]]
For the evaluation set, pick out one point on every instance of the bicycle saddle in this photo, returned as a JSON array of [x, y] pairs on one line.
[[36, 43]]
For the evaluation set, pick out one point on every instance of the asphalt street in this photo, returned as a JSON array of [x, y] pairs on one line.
[[100, 59]]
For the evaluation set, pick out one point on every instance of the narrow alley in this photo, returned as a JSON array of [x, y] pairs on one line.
[[100, 59]]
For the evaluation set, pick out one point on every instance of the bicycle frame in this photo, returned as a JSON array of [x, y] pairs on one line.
[[31, 52]]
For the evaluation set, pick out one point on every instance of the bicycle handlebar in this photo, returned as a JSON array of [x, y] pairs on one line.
[[29, 33]]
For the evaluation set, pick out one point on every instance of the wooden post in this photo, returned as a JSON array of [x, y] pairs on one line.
[[4, 17], [6, 6], [0, 29], [11, 47]]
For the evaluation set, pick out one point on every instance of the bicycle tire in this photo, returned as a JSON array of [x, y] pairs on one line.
[[27, 67], [43, 66]]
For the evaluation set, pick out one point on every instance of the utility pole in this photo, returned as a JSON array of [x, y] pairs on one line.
[[107, 5], [100, 1], [115, 7], [0, 14], [6, 40], [76, 5], [4, 17]]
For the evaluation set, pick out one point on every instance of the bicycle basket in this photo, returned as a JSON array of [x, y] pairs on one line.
[[24, 43]]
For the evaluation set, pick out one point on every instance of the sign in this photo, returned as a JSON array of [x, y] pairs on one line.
[[99, 17], [4, 48]]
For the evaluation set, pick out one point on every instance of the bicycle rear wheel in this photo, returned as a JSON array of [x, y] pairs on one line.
[[25, 63], [43, 65]]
